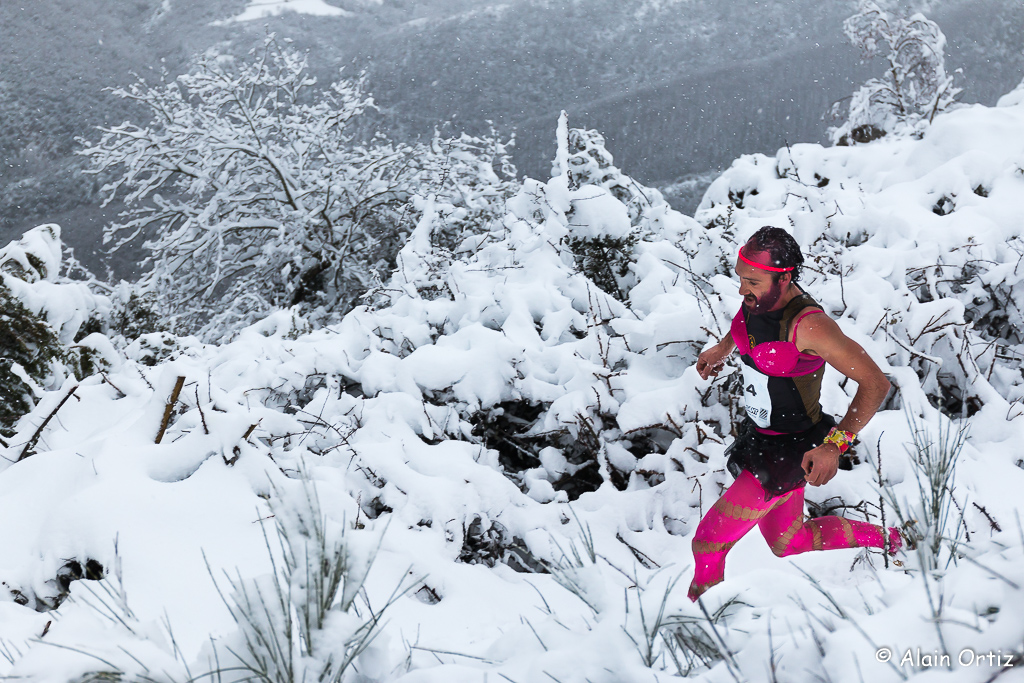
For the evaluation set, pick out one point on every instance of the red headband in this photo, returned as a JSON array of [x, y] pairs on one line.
[[763, 266]]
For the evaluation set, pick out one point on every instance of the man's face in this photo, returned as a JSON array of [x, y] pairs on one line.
[[759, 293]]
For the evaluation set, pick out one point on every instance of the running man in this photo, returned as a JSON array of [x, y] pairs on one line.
[[784, 339]]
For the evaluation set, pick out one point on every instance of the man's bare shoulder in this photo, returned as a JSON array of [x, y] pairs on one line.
[[815, 330]]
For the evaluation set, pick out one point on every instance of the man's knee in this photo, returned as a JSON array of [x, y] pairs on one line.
[[784, 545], [703, 546]]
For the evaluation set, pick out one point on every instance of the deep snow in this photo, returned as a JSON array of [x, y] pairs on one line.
[[379, 410]]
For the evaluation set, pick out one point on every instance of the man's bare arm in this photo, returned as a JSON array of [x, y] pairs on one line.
[[709, 362], [821, 335]]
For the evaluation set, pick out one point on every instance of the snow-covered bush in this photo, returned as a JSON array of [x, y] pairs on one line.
[[252, 193], [530, 292], [29, 346], [915, 86], [134, 312], [934, 523], [489, 543], [46, 326], [602, 236]]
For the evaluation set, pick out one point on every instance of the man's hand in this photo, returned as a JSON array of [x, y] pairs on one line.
[[821, 464], [711, 362]]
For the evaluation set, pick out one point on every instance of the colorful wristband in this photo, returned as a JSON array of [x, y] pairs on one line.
[[842, 439]]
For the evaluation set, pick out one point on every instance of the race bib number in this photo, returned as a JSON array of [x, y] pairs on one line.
[[755, 396]]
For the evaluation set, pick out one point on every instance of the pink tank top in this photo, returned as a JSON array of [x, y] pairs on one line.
[[776, 358]]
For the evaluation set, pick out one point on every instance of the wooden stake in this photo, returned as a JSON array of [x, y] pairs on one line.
[[169, 408]]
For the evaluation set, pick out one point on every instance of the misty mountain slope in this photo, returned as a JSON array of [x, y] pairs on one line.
[[705, 120], [712, 80], [55, 61], [675, 86], [506, 64]]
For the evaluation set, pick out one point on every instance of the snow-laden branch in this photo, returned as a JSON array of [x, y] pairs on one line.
[[246, 169]]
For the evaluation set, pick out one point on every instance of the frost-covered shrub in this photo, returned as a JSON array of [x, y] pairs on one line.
[[915, 86], [567, 458], [531, 344], [156, 347], [935, 523], [134, 312], [252, 193], [302, 622], [43, 317], [590, 163], [29, 346]]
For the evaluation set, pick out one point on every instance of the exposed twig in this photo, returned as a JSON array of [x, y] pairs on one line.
[[107, 380], [39, 430], [912, 352], [202, 416], [249, 431], [641, 557], [144, 378], [991, 520]]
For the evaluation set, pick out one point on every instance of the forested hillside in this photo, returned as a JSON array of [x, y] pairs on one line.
[[677, 87]]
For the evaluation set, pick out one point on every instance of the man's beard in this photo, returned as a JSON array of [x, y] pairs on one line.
[[765, 303]]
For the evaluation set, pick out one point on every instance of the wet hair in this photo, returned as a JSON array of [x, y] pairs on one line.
[[781, 247]]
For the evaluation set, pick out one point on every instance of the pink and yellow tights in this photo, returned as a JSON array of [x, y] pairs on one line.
[[781, 522]]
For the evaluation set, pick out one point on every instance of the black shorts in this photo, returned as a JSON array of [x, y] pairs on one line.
[[775, 459]]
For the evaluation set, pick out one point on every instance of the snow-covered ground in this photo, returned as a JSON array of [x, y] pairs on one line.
[[261, 9], [387, 436]]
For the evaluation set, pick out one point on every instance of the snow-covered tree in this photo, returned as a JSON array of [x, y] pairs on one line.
[[915, 86], [603, 237], [253, 192]]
